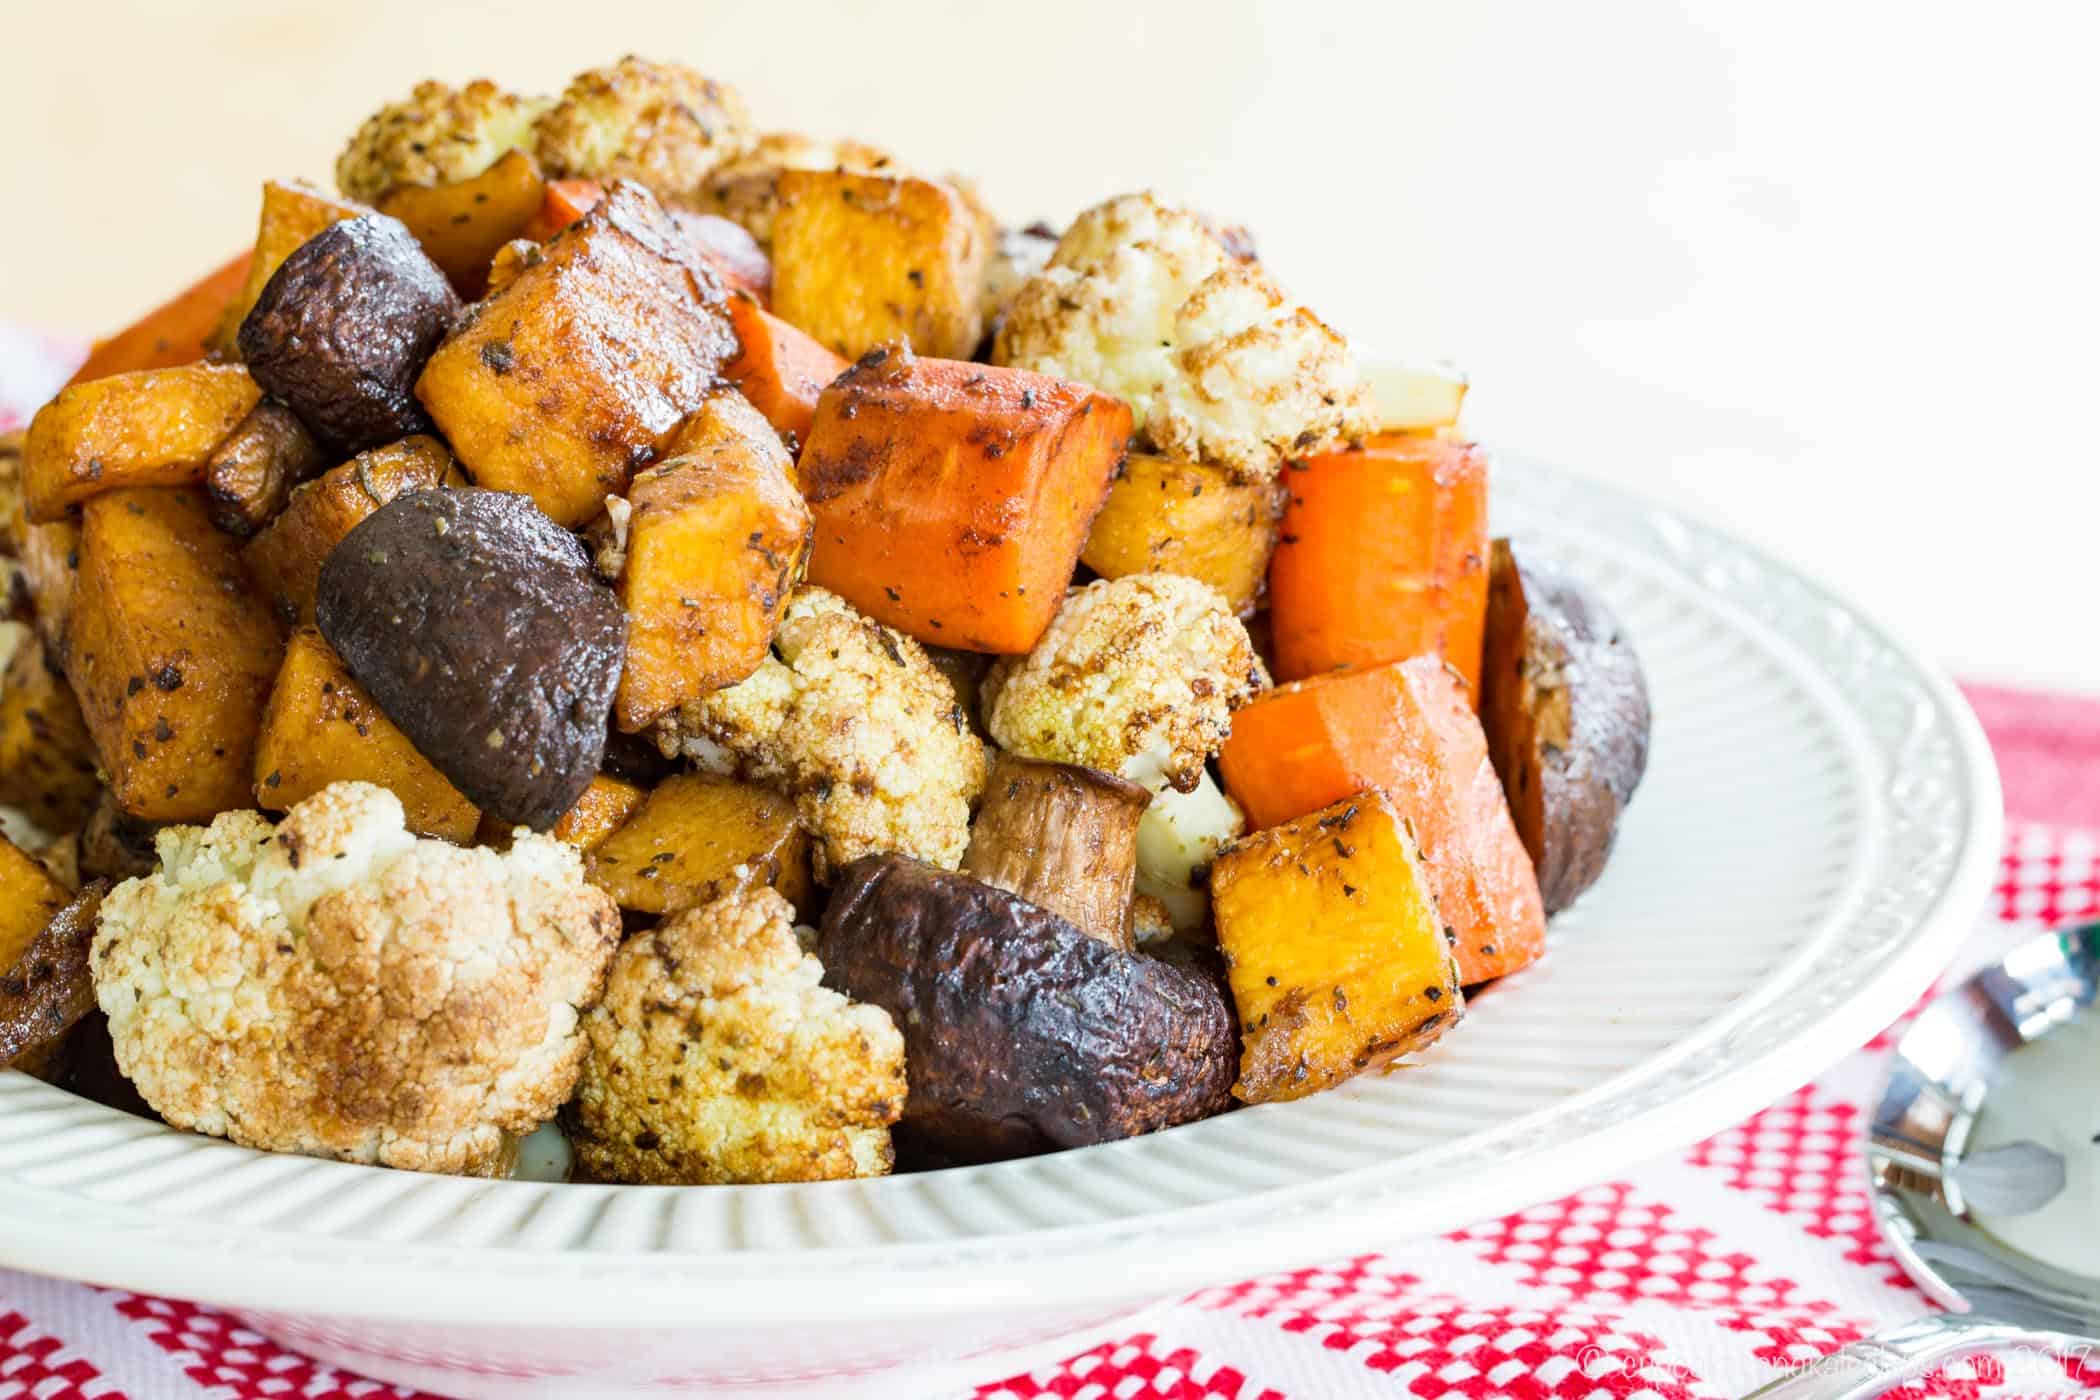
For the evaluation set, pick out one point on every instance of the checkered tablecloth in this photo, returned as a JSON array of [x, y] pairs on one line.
[[1703, 1274]]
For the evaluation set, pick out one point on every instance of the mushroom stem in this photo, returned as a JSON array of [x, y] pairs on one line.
[[1064, 839]]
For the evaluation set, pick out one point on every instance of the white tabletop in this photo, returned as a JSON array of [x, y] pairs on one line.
[[1824, 273]]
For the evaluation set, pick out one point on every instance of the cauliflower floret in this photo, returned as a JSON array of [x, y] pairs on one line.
[[853, 721], [335, 986], [746, 187], [1150, 303], [1136, 676], [717, 1057], [438, 135], [659, 123]]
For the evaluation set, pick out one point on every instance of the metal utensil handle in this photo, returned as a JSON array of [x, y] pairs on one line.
[[1875, 1364]]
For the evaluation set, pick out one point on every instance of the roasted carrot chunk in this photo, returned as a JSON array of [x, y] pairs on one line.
[[172, 333], [1333, 947], [952, 499], [1407, 730], [778, 368], [715, 542], [1382, 556], [564, 202]]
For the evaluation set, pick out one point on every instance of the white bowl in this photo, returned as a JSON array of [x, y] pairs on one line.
[[1820, 821]]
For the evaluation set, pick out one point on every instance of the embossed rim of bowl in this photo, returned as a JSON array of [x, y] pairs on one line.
[[368, 1242]]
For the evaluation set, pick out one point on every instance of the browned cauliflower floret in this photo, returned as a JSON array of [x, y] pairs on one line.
[[1136, 676], [746, 187], [716, 1057], [336, 986], [1150, 303], [1017, 255], [851, 719], [439, 134], [658, 123]]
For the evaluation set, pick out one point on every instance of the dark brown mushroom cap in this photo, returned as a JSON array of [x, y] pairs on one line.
[[478, 626], [343, 328]]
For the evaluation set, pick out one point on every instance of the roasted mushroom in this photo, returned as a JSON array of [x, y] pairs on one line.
[[480, 629], [1022, 1034], [45, 984], [1062, 837], [250, 475], [1565, 705], [343, 328]]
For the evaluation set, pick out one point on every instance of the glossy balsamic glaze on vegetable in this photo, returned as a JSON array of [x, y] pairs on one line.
[[702, 633]]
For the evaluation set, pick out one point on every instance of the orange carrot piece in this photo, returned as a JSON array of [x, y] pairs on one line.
[[565, 202], [1407, 730], [780, 369], [172, 333], [952, 499], [1382, 555]]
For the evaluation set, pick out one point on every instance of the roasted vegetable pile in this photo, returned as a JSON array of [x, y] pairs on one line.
[[700, 634]]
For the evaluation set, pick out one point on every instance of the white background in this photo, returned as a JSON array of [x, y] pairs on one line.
[[1822, 272]]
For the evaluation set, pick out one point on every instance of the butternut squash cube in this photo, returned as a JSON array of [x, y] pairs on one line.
[[153, 427], [171, 655], [571, 377], [461, 225], [292, 212], [716, 540], [285, 559], [1336, 955], [861, 260], [47, 759], [1168, 517], [608, 804], [952, 499], [698, 836], [322, 727]]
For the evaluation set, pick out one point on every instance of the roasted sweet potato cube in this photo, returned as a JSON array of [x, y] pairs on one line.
[[292, 212], [716, 539], [1168, 517], [1407, 730], [47, 759], [251, 474], [171, 655], [952, 499], [860, 260], [608, 804], [322, 727], [572, 376], [780, 369], [285, 559], [1334, 948], [461, 225], [699, 836], [156, 427]]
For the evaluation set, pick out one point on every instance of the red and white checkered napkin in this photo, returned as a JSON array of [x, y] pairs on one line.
[[1700, 1275]]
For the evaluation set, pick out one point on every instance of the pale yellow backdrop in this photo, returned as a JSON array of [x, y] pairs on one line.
[[1822, 271]]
